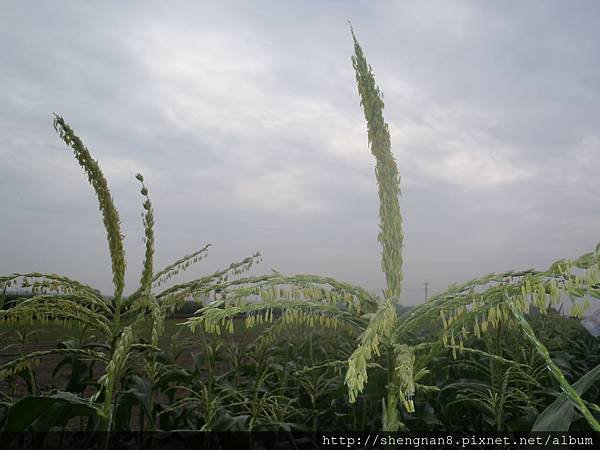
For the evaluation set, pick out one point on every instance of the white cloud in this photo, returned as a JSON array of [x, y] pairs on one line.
[[227, 109], [349, 143], [282, 192], [470, 168], [121, 169]]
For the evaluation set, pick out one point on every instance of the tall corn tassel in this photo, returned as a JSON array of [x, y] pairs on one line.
[[386, 172]]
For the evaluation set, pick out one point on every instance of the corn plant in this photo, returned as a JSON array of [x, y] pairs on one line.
[[120, 321], [464, 310], [388, 343]]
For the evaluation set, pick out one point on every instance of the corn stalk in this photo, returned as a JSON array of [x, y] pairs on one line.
[[119, 320], [467, 309]]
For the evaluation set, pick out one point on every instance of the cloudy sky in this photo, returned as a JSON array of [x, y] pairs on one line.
[[245, 120]]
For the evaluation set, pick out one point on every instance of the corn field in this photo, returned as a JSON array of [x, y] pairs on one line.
[[296, 352]]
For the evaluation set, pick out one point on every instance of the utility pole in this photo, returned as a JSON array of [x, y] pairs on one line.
[[426, 284]]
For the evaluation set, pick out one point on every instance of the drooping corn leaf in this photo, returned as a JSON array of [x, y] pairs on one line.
[[559, 415], [26, 411]]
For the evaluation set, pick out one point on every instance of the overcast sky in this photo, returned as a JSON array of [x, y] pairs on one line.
[[245, 120]]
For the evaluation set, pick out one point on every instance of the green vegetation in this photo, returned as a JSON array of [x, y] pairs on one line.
[[315, 352]]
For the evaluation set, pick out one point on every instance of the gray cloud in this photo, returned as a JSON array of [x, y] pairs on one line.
[[245, 120]]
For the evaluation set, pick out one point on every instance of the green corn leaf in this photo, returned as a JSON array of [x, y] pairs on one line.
[[559, 415], [26, 411]]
